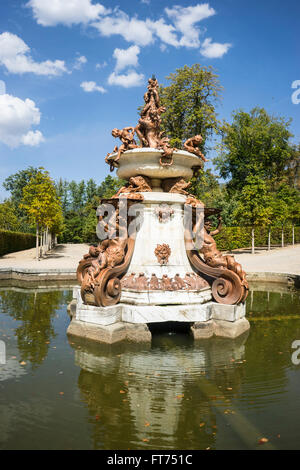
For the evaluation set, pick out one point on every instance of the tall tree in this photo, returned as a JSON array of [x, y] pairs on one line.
[[110, 186], [15, 184], [190, 101], [256, 143], [8, 217], [254, 204], [286, 207], [41, 203]]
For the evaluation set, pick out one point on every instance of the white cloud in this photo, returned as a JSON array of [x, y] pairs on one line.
[[16, 119], [131, 29], [2, 87], [181, 31], [101, 66], [79, 61], [15, 56], [33, 138], [92, 86], [214, 50], [185, 19], [126, 57], [165, 32], [68, 12], [128, 80]]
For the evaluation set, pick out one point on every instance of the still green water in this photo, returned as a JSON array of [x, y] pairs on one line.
[[59, 393]]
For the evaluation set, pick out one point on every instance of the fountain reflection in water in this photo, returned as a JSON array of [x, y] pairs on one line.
[[170, 394]]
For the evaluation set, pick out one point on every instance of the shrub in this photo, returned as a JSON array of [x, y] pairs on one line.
[[15, 241], [231, 238]]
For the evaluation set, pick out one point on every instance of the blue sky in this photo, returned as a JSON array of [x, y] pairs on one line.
[[64, 64]]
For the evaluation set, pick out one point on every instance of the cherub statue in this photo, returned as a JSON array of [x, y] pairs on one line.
[[110, 253], [136, 184], [176, 185], [154, 282], [179, 282], [192, 146], [148, 127], [126, 136], [213, 257]]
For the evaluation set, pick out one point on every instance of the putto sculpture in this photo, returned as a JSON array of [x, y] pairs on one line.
[[157, 259], [147, 130], [192, 146]]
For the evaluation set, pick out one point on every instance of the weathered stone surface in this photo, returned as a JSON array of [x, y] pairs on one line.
[[165, 313], [110, 334], [201, 330], [30, 275], [99, 315], [227, 312], [138, 333], [104, 334], [227, 329]]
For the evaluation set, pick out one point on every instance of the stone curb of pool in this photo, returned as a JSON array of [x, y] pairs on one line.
[[31, 274]]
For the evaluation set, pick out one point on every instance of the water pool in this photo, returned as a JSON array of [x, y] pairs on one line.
[[60, 393]]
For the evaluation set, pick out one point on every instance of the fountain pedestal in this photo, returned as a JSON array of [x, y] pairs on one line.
[[156, 272], [160, 284]]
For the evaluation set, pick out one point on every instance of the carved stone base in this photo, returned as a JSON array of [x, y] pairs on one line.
[[110, 334], [220, 328], [227, 329], [128, 322]]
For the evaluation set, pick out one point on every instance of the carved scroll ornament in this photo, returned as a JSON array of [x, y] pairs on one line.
[[100, 270], [227, 279]]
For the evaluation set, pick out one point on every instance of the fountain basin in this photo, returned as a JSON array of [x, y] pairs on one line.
[[145, 162]]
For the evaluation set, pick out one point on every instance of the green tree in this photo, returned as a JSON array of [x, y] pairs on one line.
[[256, 143], [77, 195], [91, 190], [8, 217], [254, 204], [286, 207], [41, 203], [190, 101], [110, 186], [293, 169], [15, 184]]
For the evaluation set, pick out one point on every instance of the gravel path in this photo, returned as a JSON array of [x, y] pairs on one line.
[[67, 256], [278, 260], [64, 256]]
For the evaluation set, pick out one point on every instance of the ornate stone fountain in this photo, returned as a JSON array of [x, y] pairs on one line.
[[157, 260]]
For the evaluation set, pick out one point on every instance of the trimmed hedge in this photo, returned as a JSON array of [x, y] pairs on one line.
[[15, 241], [231, 238]]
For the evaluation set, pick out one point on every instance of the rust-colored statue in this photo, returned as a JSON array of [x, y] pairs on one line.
[[162, 253], [213, 257], [154, 282], [148, 127], [192, 146], [136, 184], [190, 281], [126, 136], [193, 201], [141, 282], [179, 282], [111, 253], [176, 185], [166, 283]]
